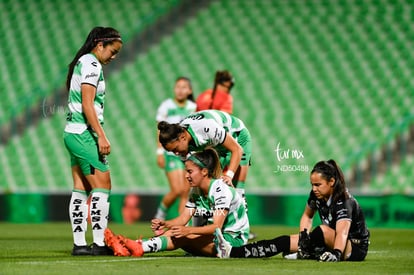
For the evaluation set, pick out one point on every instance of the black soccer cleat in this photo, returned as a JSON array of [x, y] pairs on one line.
[[101, 250], [305, 249], [81, 250]]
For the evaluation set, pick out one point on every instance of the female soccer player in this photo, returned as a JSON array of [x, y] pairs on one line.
[[215, 198], [343, 236], [85, 138], [212, 128], [173, 111], [218, 98]]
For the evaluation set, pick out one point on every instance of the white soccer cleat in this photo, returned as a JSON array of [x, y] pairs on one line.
[[291, 256], [223, 247]]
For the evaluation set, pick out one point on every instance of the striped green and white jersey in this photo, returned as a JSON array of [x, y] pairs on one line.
[[222, 197], [88, 70], [172, 113], [209, 128]]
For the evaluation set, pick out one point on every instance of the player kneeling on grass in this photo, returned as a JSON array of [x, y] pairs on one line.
[[342, 236], [214, 198]]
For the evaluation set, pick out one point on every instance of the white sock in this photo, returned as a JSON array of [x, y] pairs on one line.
[[78, 214], [99, 211], [152, 245]]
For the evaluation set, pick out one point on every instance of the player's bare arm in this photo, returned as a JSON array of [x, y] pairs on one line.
[[306, 219], [236, 154], [88, 95], [341, 234]]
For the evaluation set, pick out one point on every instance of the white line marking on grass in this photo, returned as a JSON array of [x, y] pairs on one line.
[[377, 251], [130, 259]]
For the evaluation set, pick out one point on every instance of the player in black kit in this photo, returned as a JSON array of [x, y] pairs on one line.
[[342, 236]]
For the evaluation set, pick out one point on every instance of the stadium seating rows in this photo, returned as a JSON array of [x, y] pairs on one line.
[[42, 36], [397, 180], [326, 78]]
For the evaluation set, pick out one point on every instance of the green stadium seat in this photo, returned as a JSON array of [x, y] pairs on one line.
[[334, 90]]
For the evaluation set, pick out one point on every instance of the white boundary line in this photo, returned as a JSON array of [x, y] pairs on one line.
[[120, 259], [131, 259]]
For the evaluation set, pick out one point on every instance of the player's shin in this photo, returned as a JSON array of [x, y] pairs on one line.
[[99, 210], [262, 249], [318, 242], [155, 244], [78, 213]]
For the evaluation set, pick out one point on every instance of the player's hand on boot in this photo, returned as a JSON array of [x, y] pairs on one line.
[[304, 245], [328, 256]]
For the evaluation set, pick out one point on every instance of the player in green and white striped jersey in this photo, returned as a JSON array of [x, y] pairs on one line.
[[173, 110], [221, 196], [85, 138], [215, 198], [211, 128]]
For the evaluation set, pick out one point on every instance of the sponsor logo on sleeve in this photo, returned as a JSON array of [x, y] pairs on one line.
[[91, 75]]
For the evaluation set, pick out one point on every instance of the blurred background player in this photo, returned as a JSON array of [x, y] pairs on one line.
[[85, 138], [131, 210], [173, 110], [220, 201], [343, 235], [218, 98]]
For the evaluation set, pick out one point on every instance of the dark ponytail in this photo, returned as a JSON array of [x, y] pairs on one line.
[[169, 132], [220, 78], [330, 169], [106, 35]]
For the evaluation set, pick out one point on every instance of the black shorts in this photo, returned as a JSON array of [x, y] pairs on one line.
[[359, 250]]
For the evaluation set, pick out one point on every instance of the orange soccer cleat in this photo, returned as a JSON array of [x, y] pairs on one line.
[[114, 242], [134, 247]]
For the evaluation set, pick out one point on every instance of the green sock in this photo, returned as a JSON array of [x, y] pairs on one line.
[[239, 184], [161, 212]]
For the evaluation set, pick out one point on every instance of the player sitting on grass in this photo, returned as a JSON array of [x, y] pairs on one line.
[[215, 199], [342, 236]]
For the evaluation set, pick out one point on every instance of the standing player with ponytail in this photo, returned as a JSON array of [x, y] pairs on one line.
[[342, 236], [174, 110], [86, 141]]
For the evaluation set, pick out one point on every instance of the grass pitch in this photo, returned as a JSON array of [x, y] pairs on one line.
[[45, 249]]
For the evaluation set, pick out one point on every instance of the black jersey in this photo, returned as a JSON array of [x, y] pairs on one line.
[[330, 213]]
